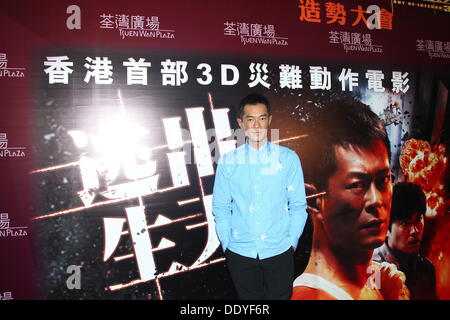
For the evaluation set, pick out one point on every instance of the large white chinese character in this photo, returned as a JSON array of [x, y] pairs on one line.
[[447, 46], [256, 29], [230, 29], [243, 29], [345, 37], [334, 37], [320, 78], [400, 82], [173, 72], [4, 221], [118, 145], [420, 45], [351, 77], [3, 141], [438, 46], [3, 61], [290, 76], [140, 235], [58, 69], [152, 23], [367, 39], [122, 21], [375, 78], [355, 38], [106, 22], [136, 71], [100, 69], [137, 22], [256, 77], [429, 45], [269, 31]]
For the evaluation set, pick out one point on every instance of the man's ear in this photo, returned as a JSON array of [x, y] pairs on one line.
[[316, 205], [320, 203], [240, 123]]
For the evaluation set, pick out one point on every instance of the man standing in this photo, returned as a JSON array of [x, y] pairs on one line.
[[259, 206], [351, 155], [404, 240]]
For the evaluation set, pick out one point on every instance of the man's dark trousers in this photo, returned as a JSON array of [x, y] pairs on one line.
[[262, 279]]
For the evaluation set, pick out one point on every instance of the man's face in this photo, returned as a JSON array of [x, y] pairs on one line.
[[406, 236], [255, 121], [357, 207]]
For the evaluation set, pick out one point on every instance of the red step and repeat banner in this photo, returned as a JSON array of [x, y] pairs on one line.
[[114, 114]]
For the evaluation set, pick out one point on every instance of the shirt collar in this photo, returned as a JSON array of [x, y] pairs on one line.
[[253, 150]]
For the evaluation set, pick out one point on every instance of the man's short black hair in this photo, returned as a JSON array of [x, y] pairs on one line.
[[252, 99], [407, 199], [345, 122]]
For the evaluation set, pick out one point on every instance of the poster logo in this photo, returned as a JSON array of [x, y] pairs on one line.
[[355, 41], [135, 26], [8, 72], [10, 152], [7, 231], [254, 33], [434, 48], [74, 280], [73, 22]]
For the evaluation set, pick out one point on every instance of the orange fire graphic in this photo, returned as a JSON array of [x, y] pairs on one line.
[[425, 165]]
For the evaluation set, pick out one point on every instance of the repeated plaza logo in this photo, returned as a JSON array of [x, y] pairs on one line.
[[434, 48], [355, 41], [135, 26], [8, 72], [7, 231], [254, 33], [10, 152]]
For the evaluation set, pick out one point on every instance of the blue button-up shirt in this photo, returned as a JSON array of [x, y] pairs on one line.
[[259, 200]]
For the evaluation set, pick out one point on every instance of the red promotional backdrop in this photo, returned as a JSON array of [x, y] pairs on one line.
[[114, 116]]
